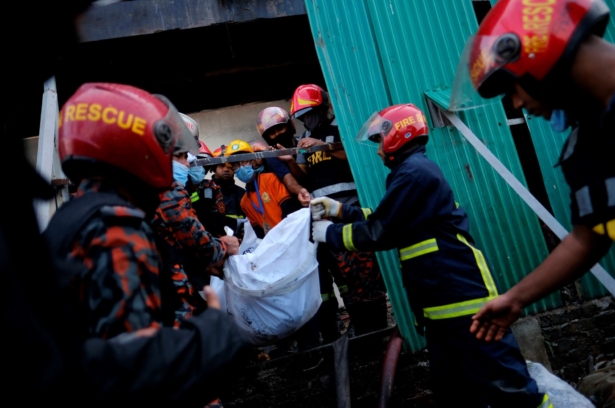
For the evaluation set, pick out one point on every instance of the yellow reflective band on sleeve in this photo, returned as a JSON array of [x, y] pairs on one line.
[[599, 229], [456, 309], [366, 212], [610, 229], [342, 289], [546, 402], [482, 266], [325, 297], [194, 197], [347, 237], [422, 248], [239, 217]]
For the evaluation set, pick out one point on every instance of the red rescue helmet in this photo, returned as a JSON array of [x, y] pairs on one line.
[[258, 145], [529, 42], [107, 127], [204, 150], [397, 126], [217, 152], [306, 98], [273, 116]]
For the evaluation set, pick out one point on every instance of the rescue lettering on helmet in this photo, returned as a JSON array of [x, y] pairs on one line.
[[537, 17], [95, 112], [410, 120]]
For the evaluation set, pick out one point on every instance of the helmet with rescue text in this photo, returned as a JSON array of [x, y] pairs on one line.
[[276, 127], [396, 128], [531, 43], [114, 130], [311, 105]]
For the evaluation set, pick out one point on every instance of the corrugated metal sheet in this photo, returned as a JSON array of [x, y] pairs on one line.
[[377, 53], [548, 145]]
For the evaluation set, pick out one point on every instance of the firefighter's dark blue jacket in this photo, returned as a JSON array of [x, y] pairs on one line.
[[445, 275]]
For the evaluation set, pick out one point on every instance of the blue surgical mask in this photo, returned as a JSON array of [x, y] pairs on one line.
[[197, 174], [260, 169], [559, 120], [245, 173], [180, 172]]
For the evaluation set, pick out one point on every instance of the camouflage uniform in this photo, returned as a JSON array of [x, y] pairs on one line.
[[119, 289], [181, 236]]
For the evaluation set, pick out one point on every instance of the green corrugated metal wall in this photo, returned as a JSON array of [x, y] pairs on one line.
[[548, 145], [377, 53]]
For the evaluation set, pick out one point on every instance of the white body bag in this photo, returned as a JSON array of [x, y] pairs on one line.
[[271, 287]]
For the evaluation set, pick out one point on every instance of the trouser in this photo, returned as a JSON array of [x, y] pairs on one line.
[[474, 373]]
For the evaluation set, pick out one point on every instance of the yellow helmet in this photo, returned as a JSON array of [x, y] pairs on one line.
[[238, 146]]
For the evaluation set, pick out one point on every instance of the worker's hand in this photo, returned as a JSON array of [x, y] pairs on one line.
[[217, 269], [304, 197], [493, 320], [319, 230], [232, 244], [309, 142], [324, 207], [286, 157], [212, 299]]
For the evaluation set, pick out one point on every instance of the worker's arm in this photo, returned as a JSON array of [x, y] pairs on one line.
[[577, 253], [297, 189], [410, 201]]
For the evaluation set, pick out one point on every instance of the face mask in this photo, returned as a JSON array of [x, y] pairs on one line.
[[180, 172], [285, 139], [559, 120], [197, 174], [245, 173], [311, 119], [260, 169]]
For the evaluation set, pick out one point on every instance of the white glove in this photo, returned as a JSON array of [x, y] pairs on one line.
[[319, 230], [241, 221], [191, 157], [325, 207]]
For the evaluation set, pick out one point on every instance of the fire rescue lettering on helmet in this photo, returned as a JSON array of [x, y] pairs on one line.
[[95, 112]]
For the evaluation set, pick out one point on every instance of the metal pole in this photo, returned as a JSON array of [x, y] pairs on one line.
[[47, 148]]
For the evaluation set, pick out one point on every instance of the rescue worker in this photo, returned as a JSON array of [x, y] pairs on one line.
[[357, 275], [561, 69], [180, 235], [277, 128], [446, 277], [231, 194], [266, 201], [118, 141]]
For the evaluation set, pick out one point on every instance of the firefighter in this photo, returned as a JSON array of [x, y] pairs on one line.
[[267, 201], [180, 236], [278, 130], [447, 278], [118, 142], [555, 65], [357, 275]]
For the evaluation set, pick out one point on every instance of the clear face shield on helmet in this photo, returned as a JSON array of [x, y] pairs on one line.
[[375, 128], [172, 128], [476, 67]]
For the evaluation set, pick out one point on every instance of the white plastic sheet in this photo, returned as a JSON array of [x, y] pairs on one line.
[[271, 288], [561, 394]]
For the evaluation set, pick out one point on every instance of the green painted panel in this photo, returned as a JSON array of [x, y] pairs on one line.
[[548, 146]]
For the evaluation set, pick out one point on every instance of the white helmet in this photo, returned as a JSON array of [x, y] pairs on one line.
[[192, 125]]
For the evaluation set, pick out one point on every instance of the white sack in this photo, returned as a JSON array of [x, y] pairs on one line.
[[272, 286], [561, 394]]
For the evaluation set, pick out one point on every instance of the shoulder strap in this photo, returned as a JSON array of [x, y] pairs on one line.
[[72, 216]]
